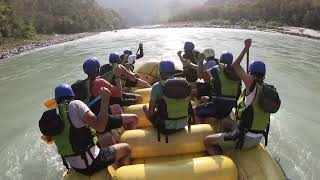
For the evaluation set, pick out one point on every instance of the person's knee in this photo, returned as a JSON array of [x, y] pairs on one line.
[[122, 150], [130, 118], [116, 109], [211, 140]]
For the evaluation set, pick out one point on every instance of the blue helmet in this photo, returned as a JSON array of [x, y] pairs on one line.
[[114, 58], [257, 67], [188, 46], [167, 67], [90, 66], [63, 90], [127, 52], [226, 58]]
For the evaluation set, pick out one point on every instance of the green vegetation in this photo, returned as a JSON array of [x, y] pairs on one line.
[[21, 19], [263, 13]]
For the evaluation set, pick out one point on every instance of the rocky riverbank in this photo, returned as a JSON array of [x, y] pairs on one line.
[[28, 45], [296, 31]]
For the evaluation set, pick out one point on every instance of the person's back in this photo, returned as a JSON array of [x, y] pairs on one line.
[[110, 71], [169, 99], [224, 81], [73, 128], [190, 61], [223, 90], [252, 117], [173, 103]]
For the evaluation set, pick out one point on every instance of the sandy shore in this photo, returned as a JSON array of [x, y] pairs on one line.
[[30, 45], [296, 31]]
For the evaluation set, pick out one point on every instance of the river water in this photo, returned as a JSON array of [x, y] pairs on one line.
[[293, 66]]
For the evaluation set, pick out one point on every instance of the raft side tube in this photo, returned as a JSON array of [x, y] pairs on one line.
[[138, 110], [144, 142], [216, 167]]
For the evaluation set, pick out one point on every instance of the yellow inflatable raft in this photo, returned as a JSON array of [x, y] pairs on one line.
[[184, 156], [148, 71]]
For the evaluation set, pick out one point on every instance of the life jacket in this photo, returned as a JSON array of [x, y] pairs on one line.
[[70, 141], [124, 59], [254, 118], [107, 72], [227, 84], [174, 104], [82, 90], [189, 73]]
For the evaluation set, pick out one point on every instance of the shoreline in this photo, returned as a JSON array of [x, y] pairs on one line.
[[290, 30], [45, 41]]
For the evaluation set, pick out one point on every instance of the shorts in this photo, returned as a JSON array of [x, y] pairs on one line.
[[203, 89], [106, 157], [126, 100], [114, 122], [227, 144]]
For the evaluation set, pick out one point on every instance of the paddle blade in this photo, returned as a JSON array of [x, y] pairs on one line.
[[50, 103]]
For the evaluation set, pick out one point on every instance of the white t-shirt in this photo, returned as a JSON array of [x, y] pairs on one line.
[[76, 111]]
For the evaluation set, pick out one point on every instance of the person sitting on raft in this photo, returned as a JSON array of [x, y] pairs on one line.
[[107, 71], [252, 117], [73, 126], [222, 79], [169, 100], [224, 89], [91, 68], [189, 61], [125, 55]]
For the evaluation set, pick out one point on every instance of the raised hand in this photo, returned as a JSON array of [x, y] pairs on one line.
[[179, 53]]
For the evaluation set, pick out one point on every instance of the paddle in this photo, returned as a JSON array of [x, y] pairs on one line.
[[50, 103], [248, 61], [138, 50]]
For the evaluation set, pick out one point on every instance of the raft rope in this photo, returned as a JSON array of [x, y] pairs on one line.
[[284, 173]]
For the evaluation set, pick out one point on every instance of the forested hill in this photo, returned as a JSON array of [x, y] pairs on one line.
[[302, 13], [24, 18]]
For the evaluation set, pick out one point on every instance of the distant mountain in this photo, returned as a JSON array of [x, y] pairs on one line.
[[140, 12]]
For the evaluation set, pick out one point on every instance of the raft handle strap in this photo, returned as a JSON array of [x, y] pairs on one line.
[[266, 134], [65, 163]]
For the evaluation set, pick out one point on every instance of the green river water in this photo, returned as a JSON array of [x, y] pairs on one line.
[[293, 66]]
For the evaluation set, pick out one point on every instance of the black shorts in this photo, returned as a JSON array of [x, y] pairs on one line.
[[114, 122], [219, 107], [203, 89], [106, 157], [126, 100]]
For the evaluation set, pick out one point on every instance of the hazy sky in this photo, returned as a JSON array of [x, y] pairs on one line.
[[148, 11]]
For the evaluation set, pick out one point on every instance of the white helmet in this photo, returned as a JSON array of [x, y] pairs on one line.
[[209, 64], [132, 59], [209, 53]]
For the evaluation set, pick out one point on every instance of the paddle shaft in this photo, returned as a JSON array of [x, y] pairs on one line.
[[248, 61]]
